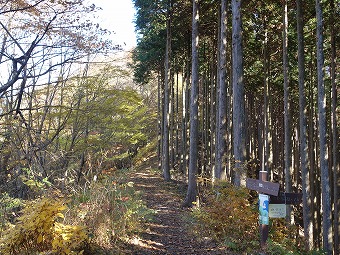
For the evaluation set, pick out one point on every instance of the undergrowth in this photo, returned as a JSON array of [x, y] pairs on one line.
[[39, 229], [93, 219], [231, 220], [8, 208], [228, 217], [111, 210]]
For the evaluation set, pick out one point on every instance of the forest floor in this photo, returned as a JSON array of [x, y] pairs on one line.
[[169, 231]]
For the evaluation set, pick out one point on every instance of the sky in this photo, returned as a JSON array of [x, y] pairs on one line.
[[118, 15]]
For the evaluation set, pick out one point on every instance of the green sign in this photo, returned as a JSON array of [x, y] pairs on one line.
[[277, 210], [264, 209]]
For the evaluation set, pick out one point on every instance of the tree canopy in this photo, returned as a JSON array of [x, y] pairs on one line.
[[266, 63]]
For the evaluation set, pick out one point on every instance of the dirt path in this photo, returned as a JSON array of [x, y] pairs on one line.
[[168, 232]]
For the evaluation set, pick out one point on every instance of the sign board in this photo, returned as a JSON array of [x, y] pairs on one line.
[[277, 210], [264, 209], [286, 198], [265, 187]]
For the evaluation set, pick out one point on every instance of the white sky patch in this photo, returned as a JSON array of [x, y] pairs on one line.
[[118, 16]]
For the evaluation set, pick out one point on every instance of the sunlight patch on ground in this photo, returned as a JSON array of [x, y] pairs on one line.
[[147, 244], [145, 185]]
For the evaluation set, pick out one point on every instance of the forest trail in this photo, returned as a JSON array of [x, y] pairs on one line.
[[168, 232]]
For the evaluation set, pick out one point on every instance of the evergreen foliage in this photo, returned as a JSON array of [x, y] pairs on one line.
[[271, 78]]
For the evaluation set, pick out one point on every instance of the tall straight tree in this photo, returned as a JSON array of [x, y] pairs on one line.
[[221, 109], [325, 184], [238, 95], [185, 107], [287, 126], [335, 137], [193, 148], [160, 120], [266, 65], [304, 161], [166, 111]]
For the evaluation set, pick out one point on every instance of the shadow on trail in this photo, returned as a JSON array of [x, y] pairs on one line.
[[168, 232]]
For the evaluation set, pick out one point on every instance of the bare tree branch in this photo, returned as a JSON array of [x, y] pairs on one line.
[[23, 60], [10, 35], [23, 8]]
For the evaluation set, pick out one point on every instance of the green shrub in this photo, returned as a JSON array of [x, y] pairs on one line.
[[8, 207]]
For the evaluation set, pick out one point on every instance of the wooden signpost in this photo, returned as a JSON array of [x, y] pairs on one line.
[[286, 198], [264, 187], [269, 194]]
